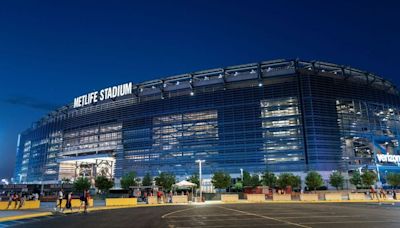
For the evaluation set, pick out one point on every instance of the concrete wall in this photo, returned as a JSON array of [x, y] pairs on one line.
[[308, 197], [279, 197], [357, 196], [152, 200], [229, 198], [256, 198], [333, 196], [180, 199], [121, 202], [27, 205]]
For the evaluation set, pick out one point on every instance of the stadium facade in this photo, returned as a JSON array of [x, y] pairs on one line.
[[280, 116]]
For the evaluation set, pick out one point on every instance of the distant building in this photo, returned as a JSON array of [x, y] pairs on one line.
[[281, 116]]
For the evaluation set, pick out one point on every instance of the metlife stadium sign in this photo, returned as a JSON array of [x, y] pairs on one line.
[[104, 94]]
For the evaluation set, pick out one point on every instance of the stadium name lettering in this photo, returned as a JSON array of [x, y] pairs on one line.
[[388, 158], [104, 94]]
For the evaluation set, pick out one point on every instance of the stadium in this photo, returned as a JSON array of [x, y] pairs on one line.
[[279, 116]]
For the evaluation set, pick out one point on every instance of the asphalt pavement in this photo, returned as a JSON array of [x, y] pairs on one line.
[[233, 215]]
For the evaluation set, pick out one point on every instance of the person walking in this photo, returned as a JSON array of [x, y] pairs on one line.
[[87, 197], [16, 200], [10, 200], [60, 197], [84, 201], [68, 204], [373, 193], [21, 198]]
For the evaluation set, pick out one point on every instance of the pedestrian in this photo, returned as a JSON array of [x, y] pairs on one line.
[[170, 197], [373, 193], [382, 193], [82, 199], [16, 200], [60, 197], [87, 197], [68, 204], [22, 198], [394, 195], [10, 200], [158, 196]]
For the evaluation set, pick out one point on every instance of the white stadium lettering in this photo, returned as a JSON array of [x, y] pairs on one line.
[[104, 94]]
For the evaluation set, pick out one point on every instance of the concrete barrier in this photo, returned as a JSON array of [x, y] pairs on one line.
[[256, 198], [337, 196], [229, 198], [75, 203], [283, 197], [357, 196], [152, 200], [308, 197], [121, 202], [180, 199], [31, 204]]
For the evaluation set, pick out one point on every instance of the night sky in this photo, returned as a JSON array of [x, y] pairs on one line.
[[53, 51]]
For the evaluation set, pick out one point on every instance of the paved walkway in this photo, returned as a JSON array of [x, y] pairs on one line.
[[306, 215], [47, 208]]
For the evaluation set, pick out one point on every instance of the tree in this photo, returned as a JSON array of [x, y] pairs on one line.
[[165, 180], [269, 179], [194, 179], [65, 180], [147, 180], [295, 181], [103, 183], [238, 186], [336, 179], [314, 180], [221, 180], [356, 180], [288, 179], [368, 178], [246, 179], [393, 179], [255, 181], [81, 183], [128, 180]]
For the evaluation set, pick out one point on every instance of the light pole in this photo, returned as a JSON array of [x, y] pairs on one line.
[[241, 174], [200, 179], [346, 160]]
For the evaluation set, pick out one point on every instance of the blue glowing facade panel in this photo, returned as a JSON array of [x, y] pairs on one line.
[[278, 116]]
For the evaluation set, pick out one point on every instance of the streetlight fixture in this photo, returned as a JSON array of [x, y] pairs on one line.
[[346, 161], [200, 178]]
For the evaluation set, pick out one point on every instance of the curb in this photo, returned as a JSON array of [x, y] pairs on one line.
[[19, 217]]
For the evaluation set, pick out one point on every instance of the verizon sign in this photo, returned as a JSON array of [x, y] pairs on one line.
[[388, 158]]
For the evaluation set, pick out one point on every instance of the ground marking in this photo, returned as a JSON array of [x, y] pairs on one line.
[[349, 222], [164, 216], [266, 217]]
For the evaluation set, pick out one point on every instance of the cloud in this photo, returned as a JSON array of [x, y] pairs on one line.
[[31, 103]]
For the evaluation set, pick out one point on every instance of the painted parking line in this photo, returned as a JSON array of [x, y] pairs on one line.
[[174, 212], [266, 217], [352, 222]]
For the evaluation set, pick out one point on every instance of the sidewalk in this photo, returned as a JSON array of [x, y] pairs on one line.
[[22, 214]]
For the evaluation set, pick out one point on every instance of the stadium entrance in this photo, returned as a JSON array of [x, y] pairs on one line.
[[89, 166]]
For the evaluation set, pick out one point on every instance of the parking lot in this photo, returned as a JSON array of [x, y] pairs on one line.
[[235, 215], [287, 215]]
